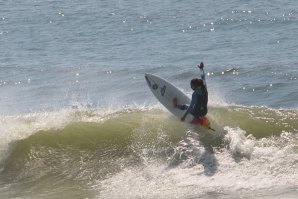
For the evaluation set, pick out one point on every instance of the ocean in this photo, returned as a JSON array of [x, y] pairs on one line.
[[77, 119]]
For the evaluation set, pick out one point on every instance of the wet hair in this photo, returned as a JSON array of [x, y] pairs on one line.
[[196, 82]]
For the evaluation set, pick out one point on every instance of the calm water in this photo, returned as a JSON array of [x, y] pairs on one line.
[[78, 121]]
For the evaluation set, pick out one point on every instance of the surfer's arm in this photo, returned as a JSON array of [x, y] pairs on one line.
[[192, 103], [185, 114], [201, 67], [203, 76]]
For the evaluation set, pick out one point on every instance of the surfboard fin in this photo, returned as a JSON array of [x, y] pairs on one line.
[[208, 127]]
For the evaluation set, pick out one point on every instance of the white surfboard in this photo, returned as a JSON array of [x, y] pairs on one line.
[[165, 92]]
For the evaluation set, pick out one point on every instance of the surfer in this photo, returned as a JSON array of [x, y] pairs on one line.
[[199, 100]]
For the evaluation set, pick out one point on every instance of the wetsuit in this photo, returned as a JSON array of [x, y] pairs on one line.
[[199, 101]]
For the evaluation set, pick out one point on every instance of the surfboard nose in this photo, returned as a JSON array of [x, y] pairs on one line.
[[148, 80]]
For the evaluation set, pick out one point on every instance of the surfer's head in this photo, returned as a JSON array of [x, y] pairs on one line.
[[195, 83]]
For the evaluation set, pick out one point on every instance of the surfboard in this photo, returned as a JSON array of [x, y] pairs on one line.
[[166, 92]]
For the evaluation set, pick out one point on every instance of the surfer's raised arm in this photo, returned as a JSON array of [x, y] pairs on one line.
[[201, 67]]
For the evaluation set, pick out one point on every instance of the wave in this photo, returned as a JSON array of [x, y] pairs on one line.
[[42, 141], [258, 121], [93, 145]]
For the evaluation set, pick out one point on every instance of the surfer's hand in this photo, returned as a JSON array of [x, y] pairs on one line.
[[201, 66]]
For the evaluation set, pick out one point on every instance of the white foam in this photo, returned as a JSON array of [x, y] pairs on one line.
[[239, 144], [245, 168]]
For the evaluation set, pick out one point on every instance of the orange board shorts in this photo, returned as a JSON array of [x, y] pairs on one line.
[[201, 121]]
